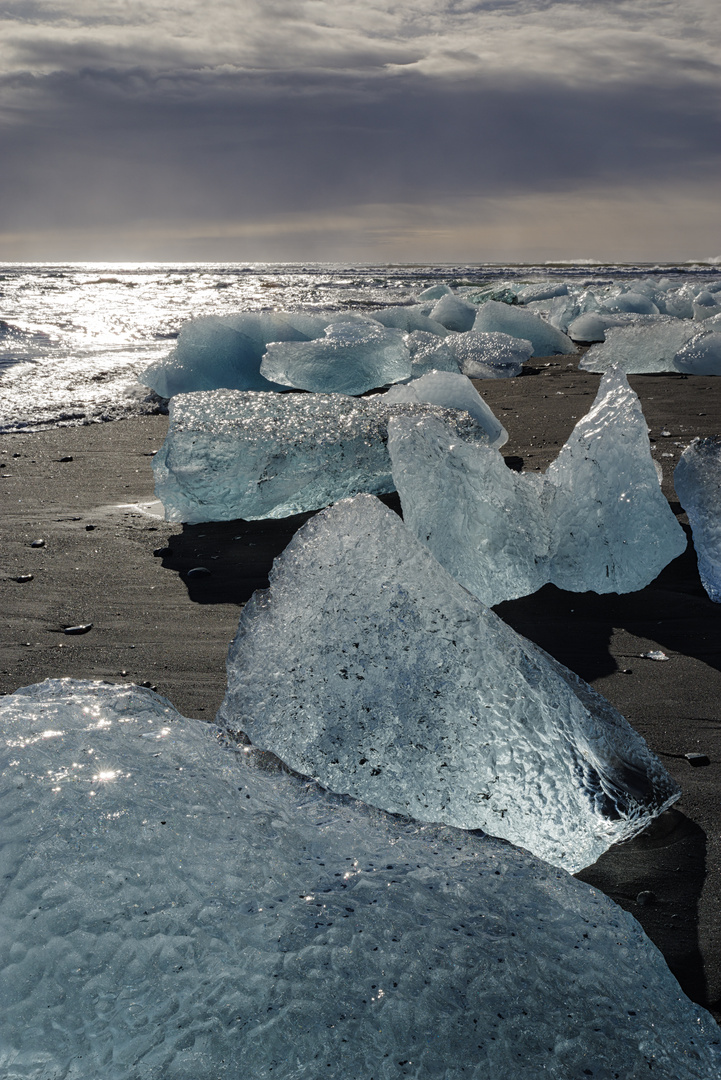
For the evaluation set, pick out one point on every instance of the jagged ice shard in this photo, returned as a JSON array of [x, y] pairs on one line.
[[231, 454], [172, 911], [451, 392], [596, 521], [697, 480], [366, 666], [351, 359]]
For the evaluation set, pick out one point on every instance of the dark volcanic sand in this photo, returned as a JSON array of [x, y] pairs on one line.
[[153, 624]]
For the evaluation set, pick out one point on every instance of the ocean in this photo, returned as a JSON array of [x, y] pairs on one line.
[[74, 336]]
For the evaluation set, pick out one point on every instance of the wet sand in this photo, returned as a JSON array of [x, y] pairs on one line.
[[108, 562]]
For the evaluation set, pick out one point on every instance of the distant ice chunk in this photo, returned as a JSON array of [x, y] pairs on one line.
[[701, 355], [542, 291], [214, 352], [697, 480], [366, 666], [435, 292], [596, 521], [591, 326], [705, 305], [632, 301], [230, 454], [352, 358], [453, 313], [409, 319], [494, 317], [451, 392], [640, 348], [171, 908], [483, 355], [559, 311]]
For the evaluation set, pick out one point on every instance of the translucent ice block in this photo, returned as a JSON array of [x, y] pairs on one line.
[[453, 313], [701, 355], [230, 454], [451, 392], [640, 348], [494, 317], [596, 521], [350, 359], [172, 911], [482, 355], [697, 480], [366, 666]]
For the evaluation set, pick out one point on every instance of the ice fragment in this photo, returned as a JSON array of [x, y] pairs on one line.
[[640, 348], [494, 317], [451, 392], [697, 480]]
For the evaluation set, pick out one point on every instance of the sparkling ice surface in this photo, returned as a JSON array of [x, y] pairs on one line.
[[452, 392], [483, 355], [366, 666], [231, 454], [351, 359], [640, 348], [701, 355], [697, 480], [171, 912], [597, 520]]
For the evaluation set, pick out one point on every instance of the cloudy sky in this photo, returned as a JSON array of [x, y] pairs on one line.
[[366, 130]]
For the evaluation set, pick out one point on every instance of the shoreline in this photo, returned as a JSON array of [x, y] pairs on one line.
[[152, 624]]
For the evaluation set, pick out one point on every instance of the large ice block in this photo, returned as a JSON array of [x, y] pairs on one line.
[[640, 348], [214, 352], [701, 355], [451, 392], [430, 353], [483, 355], [172, 911], [697, 480], [494, 317], [632, 301], [351, 358], [596, 521], [230, 454], [409, 319], [453, 313], [368, 667]]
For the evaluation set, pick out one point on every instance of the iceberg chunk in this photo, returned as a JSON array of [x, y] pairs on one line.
[[489, 355], [494, 317], [451, 392], [701, 355], [697, 480], [366, 666], [596, 521], [429, 353], [409, 319], [640, 348], [175, 910], [542, 291], [634, 301], [453, 313], [214, 352], [435, 292], [230, 454], [352, 358]]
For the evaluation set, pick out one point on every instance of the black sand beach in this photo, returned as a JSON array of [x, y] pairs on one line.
[[108, 563]]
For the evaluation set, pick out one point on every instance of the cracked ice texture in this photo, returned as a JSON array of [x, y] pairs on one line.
[[231, 454], [214, 352], [697, 480], [199, 918], [596, 521], [701, 355], [451, 392], [640, 348], [351, 359], [495, 317], [366, 666], [483, 355]]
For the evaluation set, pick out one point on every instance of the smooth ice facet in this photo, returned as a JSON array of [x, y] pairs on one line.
[[700, 356], [171, 912], [640, 348], [366, 666], [697, 480], [453, 313], [451, 392], [596, 521], [352, 358], [230, 454], [409, 319], [494, 317], [634, 302]]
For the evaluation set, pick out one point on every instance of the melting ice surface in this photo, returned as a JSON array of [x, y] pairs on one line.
[[231, 454], [451, 392], [641, 347], [502, 318], [171, 912], [697, 480], [596, 521], [366, 666]]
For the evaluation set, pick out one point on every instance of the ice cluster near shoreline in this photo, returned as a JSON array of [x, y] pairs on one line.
[[232, 454], [697, 480], [172, 909], [597, 520], [366, 666]]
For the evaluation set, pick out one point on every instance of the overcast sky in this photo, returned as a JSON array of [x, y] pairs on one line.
[[421, 130]]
